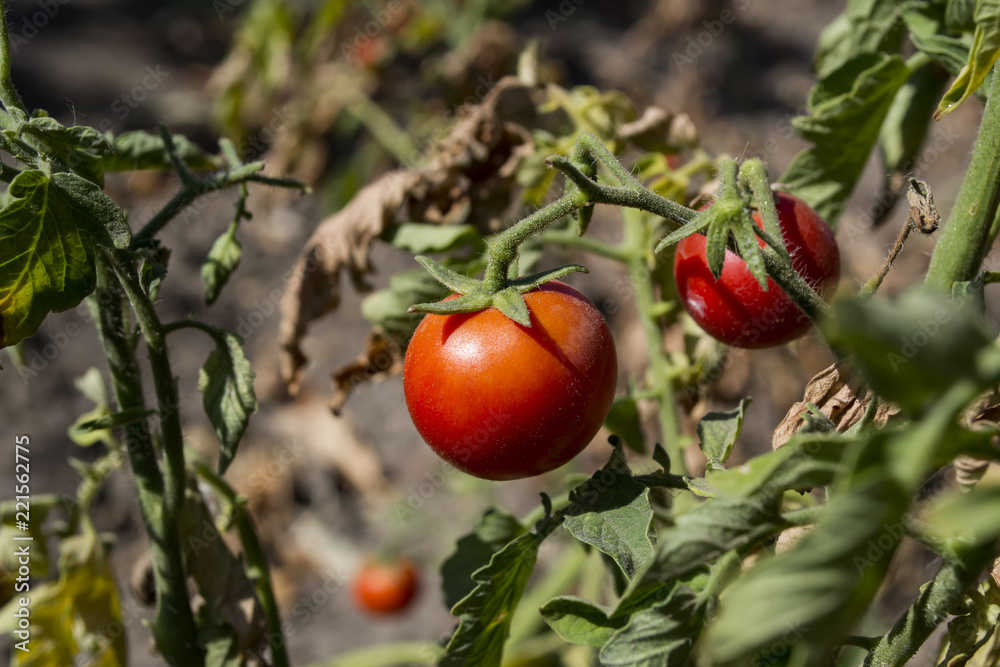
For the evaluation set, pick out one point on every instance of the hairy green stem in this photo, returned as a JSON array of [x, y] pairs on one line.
[[256, 564], [971, 229], [8, 93], [933, 605], [502, 249], [173, 625]]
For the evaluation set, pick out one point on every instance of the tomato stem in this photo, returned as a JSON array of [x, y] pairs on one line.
[[975, 218], [173, 626]]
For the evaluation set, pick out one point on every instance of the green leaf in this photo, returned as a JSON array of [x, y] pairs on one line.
[[907, 120], [79, 147], [142, 150], [846, 108], [153, 268], [805, 600], [960, 15], [424, 238], [804, 462], [618, 522], [698, 537], [580, 621], [222, 260], [226, 380], [717, 237], [663, 636], [911, 349], [50, 227], [928, 33], [984, 53], [719, 432], [623, 420], [865, 26], [966, 521], [91, 428], [494, 529], [486, 612]]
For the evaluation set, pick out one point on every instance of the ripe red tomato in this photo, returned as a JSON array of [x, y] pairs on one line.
[[734, 309], [501, 401], [385, 587]]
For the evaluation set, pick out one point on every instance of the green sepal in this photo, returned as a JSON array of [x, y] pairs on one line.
[[451, 279], [699, 223], [510, 302], [746, 241], [535, 280], [715, 244], [469, 303]]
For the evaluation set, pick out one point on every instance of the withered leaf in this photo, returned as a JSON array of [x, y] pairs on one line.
[[836, 394], [468, 175], [382, 358]]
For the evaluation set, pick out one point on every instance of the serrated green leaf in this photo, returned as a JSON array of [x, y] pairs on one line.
[[618, 522], [984, 53], [486, 612], [79, 147], [580, 621], [494, 529], [928, 33], [423, 238], [719, 432], [226, 380], [847, 108], [623, 420], [865, 26], [698, 537], [816, 592], [911, 349], [50, 227], [143, 150], [222, 261], [663, 636]]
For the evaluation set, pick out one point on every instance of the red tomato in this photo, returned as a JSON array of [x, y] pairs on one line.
[[734, 309], [501, 401], [385, 587]]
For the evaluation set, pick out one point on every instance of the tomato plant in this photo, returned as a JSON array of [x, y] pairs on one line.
[[733, 308], [385, 587], [499, 400], [767, 552]]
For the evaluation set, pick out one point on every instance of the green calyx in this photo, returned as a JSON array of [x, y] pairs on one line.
[[729, 221], [476, 297]]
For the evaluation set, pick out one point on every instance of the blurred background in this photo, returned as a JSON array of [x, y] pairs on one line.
[[337, 93]]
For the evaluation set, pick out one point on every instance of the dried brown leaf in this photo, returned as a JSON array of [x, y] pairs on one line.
[[468, 175], [381, 359], [837, 396]]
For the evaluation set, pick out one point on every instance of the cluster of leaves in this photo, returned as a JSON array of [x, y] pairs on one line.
[[798, 606], [869, 94]]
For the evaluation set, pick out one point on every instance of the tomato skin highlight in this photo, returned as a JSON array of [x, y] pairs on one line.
[[501, 401], [734, 309], [385, 587]]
